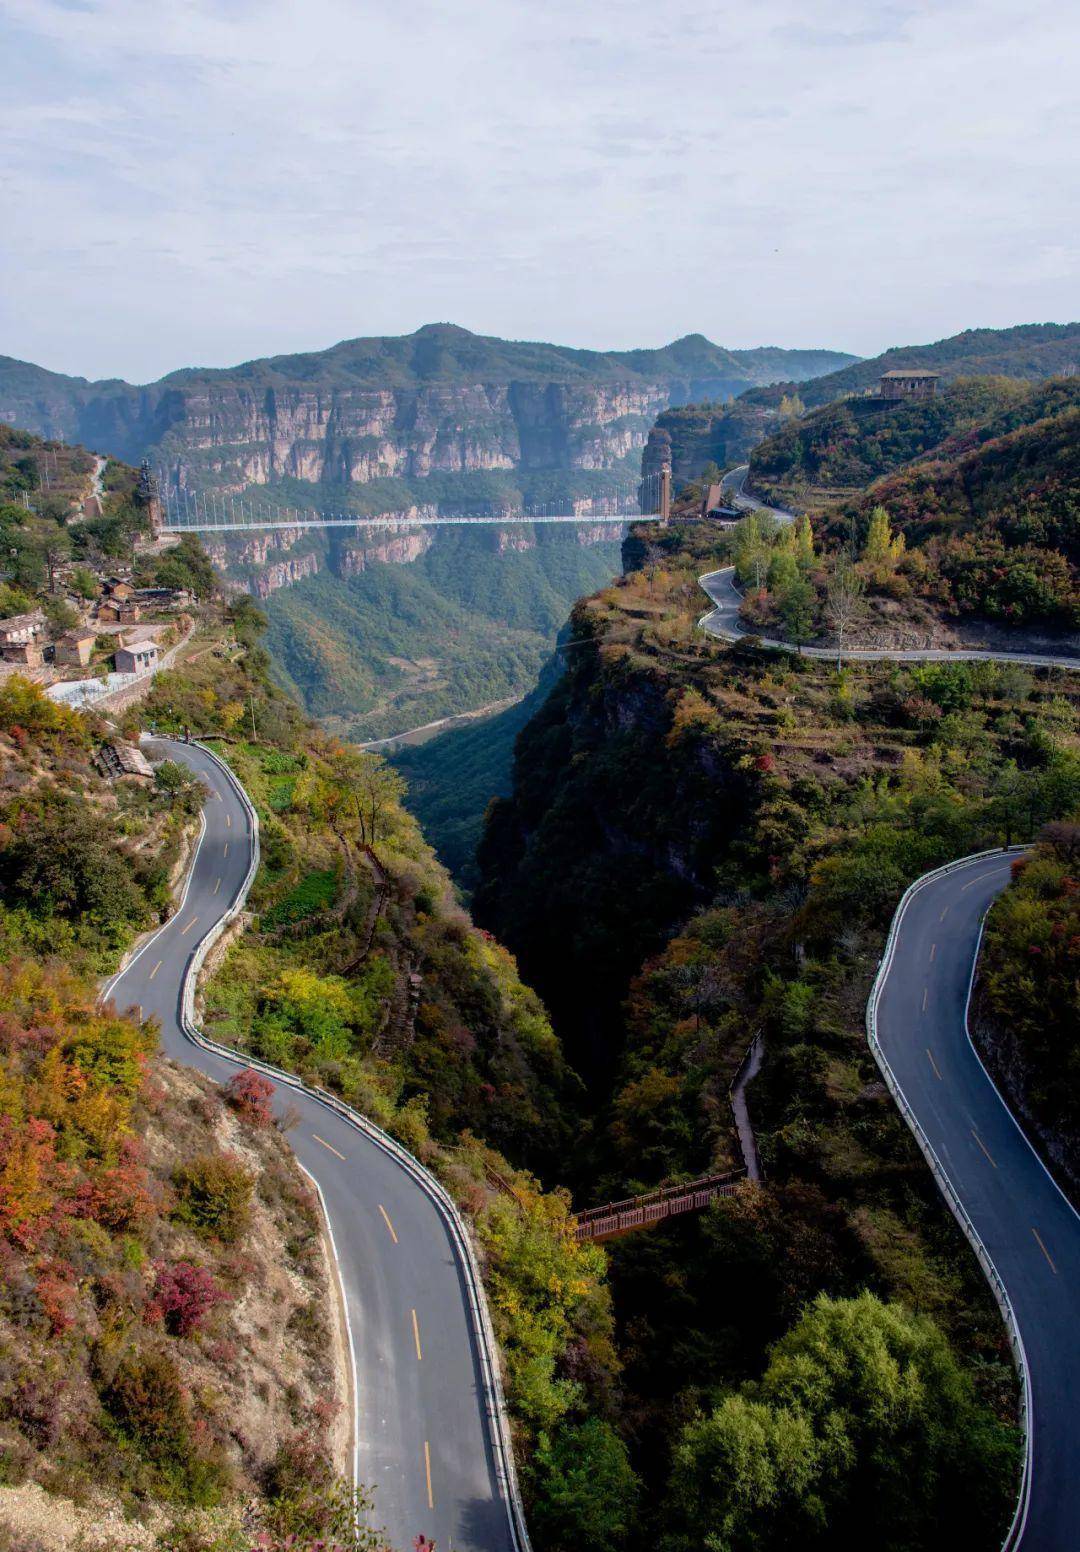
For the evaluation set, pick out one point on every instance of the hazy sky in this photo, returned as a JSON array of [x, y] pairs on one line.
[[204, 181]]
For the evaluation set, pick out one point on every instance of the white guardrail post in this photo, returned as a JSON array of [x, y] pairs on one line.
[[945, 1185], [498, 1423]]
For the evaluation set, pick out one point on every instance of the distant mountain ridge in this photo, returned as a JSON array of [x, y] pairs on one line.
[[442, 400]]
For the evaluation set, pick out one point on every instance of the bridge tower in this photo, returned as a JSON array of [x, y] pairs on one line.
[[148, 495], [665, 495]]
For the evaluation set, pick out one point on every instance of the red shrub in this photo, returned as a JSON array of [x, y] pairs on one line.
[[119, 1196], [183, 1296], [249, 1094], [57, 1294]]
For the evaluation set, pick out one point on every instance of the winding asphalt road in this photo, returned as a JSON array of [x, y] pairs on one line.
[[425, 1441], [723, 621], [1030, 1231]]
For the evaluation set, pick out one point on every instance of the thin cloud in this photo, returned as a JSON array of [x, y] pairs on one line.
[[224, 178]]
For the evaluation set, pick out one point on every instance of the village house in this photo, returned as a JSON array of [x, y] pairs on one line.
[[28, 654], [139, 658], [22, 628], [118, 589], [909, 385], [163, 597], [121, 612], [76, 647]]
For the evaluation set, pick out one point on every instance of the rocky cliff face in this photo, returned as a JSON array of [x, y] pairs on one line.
[[263, 562], [392, 549], [609, 821], [232, 438]]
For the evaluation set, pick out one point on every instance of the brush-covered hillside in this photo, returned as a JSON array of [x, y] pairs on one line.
[[358, 969], [466, 623], [974, 542], [703, 433], [168, 1372], [704, 845]]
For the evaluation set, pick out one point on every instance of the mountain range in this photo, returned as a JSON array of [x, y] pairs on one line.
[[440, 401]]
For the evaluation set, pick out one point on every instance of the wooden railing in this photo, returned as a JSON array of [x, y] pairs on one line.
[[638, 1212]]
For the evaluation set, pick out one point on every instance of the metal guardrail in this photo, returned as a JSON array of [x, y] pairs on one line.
[[495, 1403], [945, 1185]]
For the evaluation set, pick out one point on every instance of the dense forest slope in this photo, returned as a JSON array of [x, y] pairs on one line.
[[469, 621], [856, 440], [704, 845], [696, 435]]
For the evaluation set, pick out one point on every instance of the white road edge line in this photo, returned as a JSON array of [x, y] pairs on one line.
[[945, 1185], [348, 1329]]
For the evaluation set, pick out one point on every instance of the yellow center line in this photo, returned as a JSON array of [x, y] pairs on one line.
[[217, 886], [184, 931], [416, 1336], [225, 853], [1046, 1253], [933, 951], [427, 1473], [326, 1144], [982, 1145], [155, 970], [925, 994], [389, 1225], [982, 878], [944, 913], [933, 1064], [228, 820]]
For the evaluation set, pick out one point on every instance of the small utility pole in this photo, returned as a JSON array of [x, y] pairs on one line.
[[251, 703]]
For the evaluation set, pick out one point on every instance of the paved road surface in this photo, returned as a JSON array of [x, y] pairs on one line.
[[724, 623], [1030, 1231], [425, 1445]]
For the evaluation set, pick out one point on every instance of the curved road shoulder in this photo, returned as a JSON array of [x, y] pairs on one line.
[[1024, 1230], [433, 1441]]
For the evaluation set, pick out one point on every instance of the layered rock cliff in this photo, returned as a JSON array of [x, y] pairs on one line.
[[440, 401]]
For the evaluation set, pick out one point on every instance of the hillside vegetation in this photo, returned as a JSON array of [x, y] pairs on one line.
[[702, 433], [704, 845], [462, 626], [165, 1357], [360, 971], [1029, 994], [985, 527]]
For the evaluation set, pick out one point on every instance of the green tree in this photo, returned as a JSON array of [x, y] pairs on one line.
[[804, 542], [798, 609], [864, 1431], [586, 1490], [882, 549]]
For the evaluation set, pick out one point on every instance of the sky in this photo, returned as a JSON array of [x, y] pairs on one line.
[[207, 181]]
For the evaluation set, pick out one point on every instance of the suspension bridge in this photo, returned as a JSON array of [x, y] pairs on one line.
[[193, 511]]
